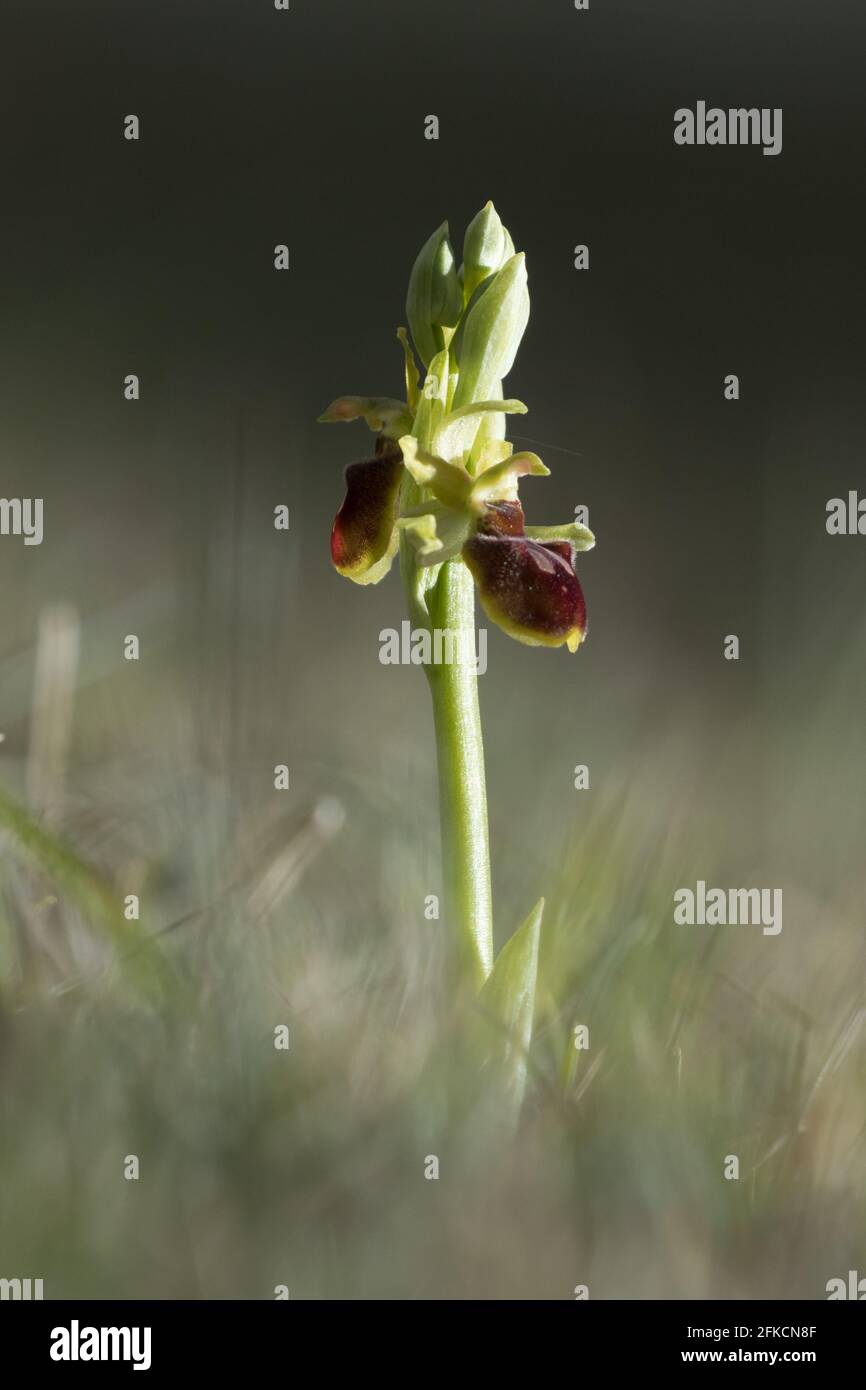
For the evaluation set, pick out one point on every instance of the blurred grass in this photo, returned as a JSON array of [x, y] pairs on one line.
[[306, 1167]]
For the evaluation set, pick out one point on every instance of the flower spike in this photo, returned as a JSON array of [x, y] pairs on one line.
[[443, 489]]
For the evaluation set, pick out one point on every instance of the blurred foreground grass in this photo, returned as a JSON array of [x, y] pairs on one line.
[[306, 1167]]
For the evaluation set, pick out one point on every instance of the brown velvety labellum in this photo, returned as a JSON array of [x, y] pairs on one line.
[[529, 588], [364, 524]]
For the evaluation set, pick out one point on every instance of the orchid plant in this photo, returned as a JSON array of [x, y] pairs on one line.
[[441, 491]]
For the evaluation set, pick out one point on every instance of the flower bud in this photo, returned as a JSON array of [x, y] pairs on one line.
[[435, 297], [484, 248], [491, 332]]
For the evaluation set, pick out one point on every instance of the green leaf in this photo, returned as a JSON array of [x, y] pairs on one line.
[[507, 1002]]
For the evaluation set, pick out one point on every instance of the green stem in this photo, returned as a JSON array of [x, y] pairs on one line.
[[462, 790]]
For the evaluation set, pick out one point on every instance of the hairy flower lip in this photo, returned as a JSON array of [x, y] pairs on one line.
[[528, 588], [363, 538]]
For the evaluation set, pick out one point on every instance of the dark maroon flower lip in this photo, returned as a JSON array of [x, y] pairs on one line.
[[363, 539], [529, 588]]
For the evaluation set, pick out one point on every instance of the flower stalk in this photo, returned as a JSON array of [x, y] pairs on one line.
[[462, 782]]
